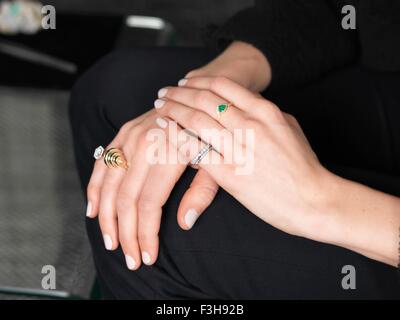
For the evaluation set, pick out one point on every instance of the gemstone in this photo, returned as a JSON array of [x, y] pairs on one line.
[[222, 108], [98, 153]]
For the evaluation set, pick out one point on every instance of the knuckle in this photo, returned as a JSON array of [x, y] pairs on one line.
[[124, 202], [292, 119], [133, 133], [128, 241], [195, 119], [255, 125], [92, 190], [171, 93], [145, 235], [249, 123], [192, 73], [145, 204], [207, 193], [167, 109], [105, 221], [218, 82], [271, 111], [202, 96], [141, 141], [124, 128]]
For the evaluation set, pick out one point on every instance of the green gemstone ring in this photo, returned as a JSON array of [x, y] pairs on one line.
[[222, 108]]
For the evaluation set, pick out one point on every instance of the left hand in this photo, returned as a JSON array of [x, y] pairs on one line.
[[286, 185]]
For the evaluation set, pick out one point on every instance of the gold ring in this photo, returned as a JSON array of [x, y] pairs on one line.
[[222, 108], [114, 158]]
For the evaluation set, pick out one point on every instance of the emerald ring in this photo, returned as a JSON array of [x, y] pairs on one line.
[[222, 108]]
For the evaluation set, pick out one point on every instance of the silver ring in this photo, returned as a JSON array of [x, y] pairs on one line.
[[202, 153]]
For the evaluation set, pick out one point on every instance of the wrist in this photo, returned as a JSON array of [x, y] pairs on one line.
[[325, 218], [240, 62], [358, 218]]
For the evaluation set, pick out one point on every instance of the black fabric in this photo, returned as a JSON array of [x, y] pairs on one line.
[[304, 39], [230, 253]]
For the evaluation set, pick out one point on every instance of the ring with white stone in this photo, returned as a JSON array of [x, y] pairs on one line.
[[201, 154], [98, 153]]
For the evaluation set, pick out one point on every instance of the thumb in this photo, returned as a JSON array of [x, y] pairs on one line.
[[196, 199]]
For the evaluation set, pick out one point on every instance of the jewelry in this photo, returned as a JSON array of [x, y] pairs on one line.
[[222, 108], [201, 154], [98, 153], [114, 158]]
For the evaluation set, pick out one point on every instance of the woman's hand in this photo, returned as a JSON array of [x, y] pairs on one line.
[[279, 178], [129, 203]]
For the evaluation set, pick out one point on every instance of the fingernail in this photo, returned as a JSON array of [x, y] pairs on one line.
[[161, 122], [146, 257], [191, 217], [162, 92], [107, 241], [182, 82], [130, 262], [89, 209], [158, 103]]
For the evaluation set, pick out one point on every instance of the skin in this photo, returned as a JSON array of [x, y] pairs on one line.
[[328, 208], [128, 203], [288, 187]]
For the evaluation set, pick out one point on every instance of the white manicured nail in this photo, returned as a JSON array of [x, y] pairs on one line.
[[191, 217], [182, 82], [130, 262], [162, 92], [107, 241], [161, 122], [159, 103], [89, 209], [146, 257]]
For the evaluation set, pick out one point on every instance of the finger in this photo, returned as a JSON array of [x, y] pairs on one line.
[[108, 211], [100, 169], [126, 204], [201, 124], [94, 187], [160, 181], [203, 100], [196, 199], [225, 88], [189, 147]]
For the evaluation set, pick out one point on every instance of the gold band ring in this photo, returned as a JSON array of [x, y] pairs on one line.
[[114, 158]]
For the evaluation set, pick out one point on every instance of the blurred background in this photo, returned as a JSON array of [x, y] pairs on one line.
[[42, 208]]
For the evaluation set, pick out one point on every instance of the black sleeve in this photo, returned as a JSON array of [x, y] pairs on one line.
[[378, 25], [301, 39]]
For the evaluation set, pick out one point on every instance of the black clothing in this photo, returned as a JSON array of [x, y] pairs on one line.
[[304, 39]]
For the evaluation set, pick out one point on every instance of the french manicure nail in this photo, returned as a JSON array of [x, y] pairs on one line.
[[191, 217], [130, 262], [182, 82], [107, 241], [159, 103], [162, 92], [146, 257], [89, 209], [161, 122]]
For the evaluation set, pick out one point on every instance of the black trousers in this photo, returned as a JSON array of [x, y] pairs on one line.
[[351, 118]]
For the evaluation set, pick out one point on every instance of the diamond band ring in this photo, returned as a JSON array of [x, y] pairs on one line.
[[201, 154]]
